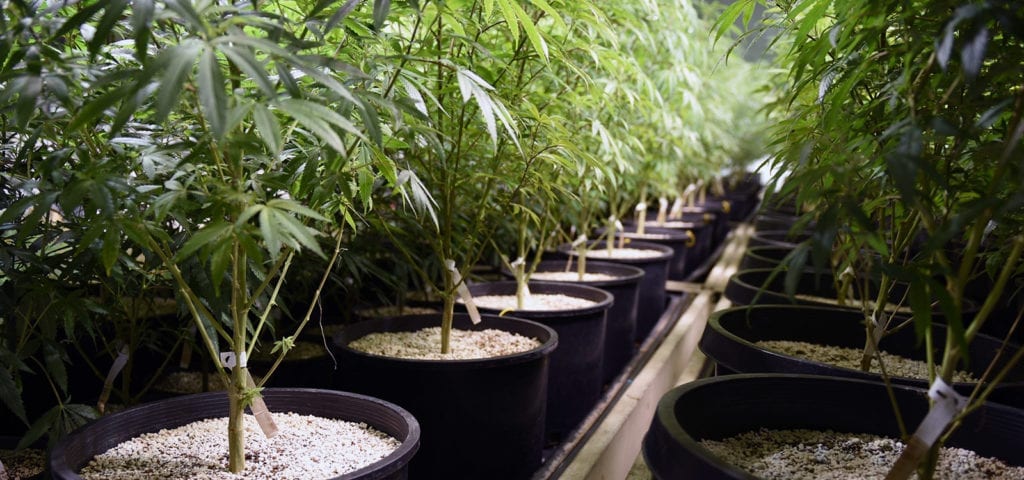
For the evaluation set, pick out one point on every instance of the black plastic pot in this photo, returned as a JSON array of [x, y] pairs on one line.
[[722, 407], [720, 210], [576, 375], [768, 256], [481, 418], [314, 371], [653, 298], [76, 450], [680, 241], [766, 221], [731, 335], [778, 238], [699, 245], [620, 328], [764, 286]]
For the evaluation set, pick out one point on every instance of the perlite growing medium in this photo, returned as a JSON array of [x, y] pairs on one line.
[[425, 344], [571, 276], [895, 365], [623, 253], [534, 302], [827, 455], [306, 447]]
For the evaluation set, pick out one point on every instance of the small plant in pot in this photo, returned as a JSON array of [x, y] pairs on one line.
[[218, 143], [902, 139]]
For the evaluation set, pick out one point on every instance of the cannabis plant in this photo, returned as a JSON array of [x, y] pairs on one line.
[[215, 140], [902, 127]]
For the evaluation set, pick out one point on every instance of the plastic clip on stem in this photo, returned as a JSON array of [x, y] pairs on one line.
[[108, 383], [662, 211], [946, 405], [519, 269], [463, 291], [259, 407]]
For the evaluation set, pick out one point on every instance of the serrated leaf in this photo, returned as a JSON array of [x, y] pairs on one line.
[[268, 128], [381, 8], [340, 14], [214, 232], [246, 62], [55, 367], [40, 427], [508, 11], [111, 249], [293, 206], [539, 45], [179, 61], [550, 11], [10, 395], [114, 10], [972, 53], [304, 235], [212, 96], [142, 14]]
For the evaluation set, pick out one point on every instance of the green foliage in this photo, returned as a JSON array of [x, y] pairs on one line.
[[899, 133]]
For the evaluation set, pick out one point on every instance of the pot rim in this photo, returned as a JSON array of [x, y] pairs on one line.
[[391, 463], [547, 346]]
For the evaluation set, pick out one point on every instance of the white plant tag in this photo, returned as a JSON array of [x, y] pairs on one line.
[[676, 212], [229, 360], [662, 210], [463, 291], [186, 349], [108, 384], [619, 228], [259, 409], [947, 405], [641, 206], [521, 262]]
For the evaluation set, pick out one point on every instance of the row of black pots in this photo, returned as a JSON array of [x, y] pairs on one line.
[[758, 388], [541, 384], [732, 334], [652, 298]]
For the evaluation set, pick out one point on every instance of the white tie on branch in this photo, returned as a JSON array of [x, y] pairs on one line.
[[463, 290]]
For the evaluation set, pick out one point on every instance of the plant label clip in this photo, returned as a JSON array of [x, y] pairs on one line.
[[259, 409], [115, 370], [228, 360], [947, 405], [463, 292]]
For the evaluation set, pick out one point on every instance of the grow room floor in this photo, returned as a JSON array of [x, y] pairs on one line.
[[608, 445]]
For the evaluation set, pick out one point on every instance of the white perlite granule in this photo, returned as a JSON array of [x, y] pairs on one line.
[[895, 365], [306, 447], [623, 253], [827, 455], [425, 344], [588, 277], [533, 302]]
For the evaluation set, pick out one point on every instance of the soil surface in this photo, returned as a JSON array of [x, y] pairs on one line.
[[306, 447], [827, 455], [425, 344], [536, 302], [895, 365]]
